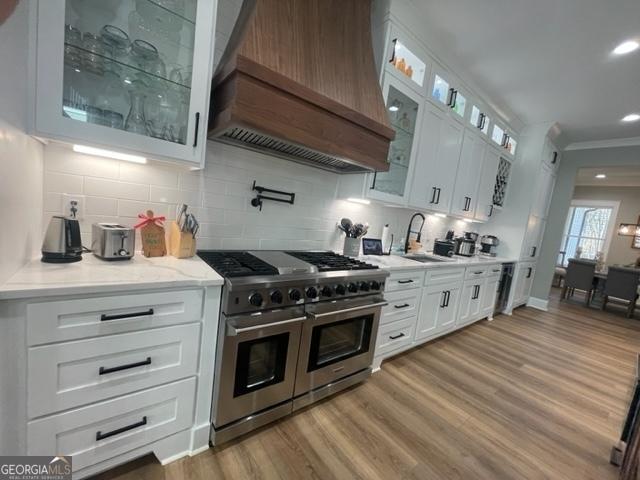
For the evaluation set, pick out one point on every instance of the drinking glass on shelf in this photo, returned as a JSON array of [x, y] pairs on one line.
[[143, 52], [116, 42], [156, 67], [95, 115], [93, 53], [136, 121], [72, 39], [112, 97], [112, 119]]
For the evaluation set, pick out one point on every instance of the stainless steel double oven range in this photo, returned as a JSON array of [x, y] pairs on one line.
[[295, 327]]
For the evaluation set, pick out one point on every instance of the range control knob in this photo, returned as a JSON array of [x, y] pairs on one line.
[[276, 296], [312, 292], [327, 291], [352, 287], [340, 289], [122, 252], [255, 299], [375, 285], [364, 286], [295, 295]]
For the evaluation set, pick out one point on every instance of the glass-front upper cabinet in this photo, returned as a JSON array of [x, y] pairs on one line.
[[446, 95], [403, 107], [498, 135], [407, 62], [127, 75]]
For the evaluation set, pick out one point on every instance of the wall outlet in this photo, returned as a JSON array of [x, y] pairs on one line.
[[73, 205]]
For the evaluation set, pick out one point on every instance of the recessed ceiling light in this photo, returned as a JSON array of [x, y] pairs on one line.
[[601, 175], [626, 47], [632, 117]]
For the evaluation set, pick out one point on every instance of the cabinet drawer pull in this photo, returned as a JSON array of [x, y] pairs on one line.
[[405, 281], [404, 305], [102, 436], [395, 337], [433, 195], [105, 370], [477, 273], [497, 270], [105, 318], [195, 136]]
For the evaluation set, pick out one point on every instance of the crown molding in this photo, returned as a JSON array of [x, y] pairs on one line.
[[612, 143]]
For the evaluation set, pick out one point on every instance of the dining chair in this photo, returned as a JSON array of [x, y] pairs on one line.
[[560, 271], [580, 276], [622, 284]]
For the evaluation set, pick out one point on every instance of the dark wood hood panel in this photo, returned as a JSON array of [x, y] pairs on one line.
[[302, 71]]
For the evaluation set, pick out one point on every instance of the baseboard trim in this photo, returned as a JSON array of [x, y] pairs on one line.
[[538, 304]]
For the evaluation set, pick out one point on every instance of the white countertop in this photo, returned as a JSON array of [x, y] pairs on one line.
[[92, 275], [399, 262]]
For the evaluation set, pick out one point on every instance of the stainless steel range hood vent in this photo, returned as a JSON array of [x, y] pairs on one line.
[[260, 142]]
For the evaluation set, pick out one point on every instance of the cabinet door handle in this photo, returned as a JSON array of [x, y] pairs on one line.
[[395, 337], [443, 303], [195, 136], [105, 370], [405, 281], [529, 273], [476, 292], [433, 195], [533, 251], [480, 120], [454, 99], [102, 436], [555, 158], [478, 273], [490, 210], [484, 119], [105, 318], [404, 305], [448, 297], [438, 197], [450, 99]]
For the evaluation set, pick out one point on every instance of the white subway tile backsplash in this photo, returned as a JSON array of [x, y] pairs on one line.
[[115, 189], [101, 206], [63, 183], [219, 196]]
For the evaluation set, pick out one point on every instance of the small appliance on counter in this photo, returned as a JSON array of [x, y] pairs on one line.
[[111, 241], [489, 244], [444, 248], [62, 242], [466, 245]]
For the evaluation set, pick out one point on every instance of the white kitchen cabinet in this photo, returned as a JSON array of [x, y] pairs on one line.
[[438, 309], [465, 196], [127, 76], [544, 192], [470, 301], [437, 161], [407, 59], [488, 296], [486, 189], [525, 273], [550, 155], [533, 238]]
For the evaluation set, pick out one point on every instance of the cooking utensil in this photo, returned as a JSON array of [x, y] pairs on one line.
[[346, 225], [181, 212]]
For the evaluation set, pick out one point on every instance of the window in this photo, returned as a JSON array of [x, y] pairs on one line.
[[589, 227]]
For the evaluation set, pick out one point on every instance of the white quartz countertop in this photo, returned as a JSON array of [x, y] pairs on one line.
[[94, 276], [399, 262]]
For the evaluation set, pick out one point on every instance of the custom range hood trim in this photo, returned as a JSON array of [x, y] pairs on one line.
[[283, 90]]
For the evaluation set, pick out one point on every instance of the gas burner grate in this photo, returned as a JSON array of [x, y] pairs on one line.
[[231, 263], [331, 262]]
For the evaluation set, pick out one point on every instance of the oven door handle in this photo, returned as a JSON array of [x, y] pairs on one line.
[[233, 331], [347, 310]]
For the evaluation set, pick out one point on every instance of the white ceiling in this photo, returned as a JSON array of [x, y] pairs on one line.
[[548, 60], [616, 177]]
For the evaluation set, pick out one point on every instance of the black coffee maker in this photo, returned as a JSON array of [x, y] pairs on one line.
[[62, 242]]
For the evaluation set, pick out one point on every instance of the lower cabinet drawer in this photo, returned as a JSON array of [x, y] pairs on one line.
[[64, 320], [98, 432], [476, 272], [443, 275], [67, 375], [396, 335], [401, 305], [404, 280]]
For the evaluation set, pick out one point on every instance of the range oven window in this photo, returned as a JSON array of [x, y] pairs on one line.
[[335, 342], [260, 363]]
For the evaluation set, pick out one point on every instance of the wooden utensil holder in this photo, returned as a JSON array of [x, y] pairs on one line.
[[181, 244]]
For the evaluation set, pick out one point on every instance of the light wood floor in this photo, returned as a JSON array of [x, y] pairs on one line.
[[533, 396]]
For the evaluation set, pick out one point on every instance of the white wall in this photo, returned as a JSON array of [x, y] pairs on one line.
[[620, 251], [220, 198], [20, 155]]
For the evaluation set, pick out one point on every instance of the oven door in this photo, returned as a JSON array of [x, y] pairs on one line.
[[258, 363], [337, 340]]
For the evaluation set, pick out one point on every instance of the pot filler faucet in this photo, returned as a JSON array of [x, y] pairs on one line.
[[409, 231]]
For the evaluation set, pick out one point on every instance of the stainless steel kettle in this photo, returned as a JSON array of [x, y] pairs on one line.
[[62, 242]]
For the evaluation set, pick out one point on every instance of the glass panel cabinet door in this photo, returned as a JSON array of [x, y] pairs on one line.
[[406, 62], [459, 104], [440, 91], [129, 66], [475, 118], [403, 114]]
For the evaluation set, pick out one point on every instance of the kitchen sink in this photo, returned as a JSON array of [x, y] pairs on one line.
[[427, 258]]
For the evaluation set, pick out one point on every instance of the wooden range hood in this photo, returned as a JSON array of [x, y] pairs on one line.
[[298, 80]]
